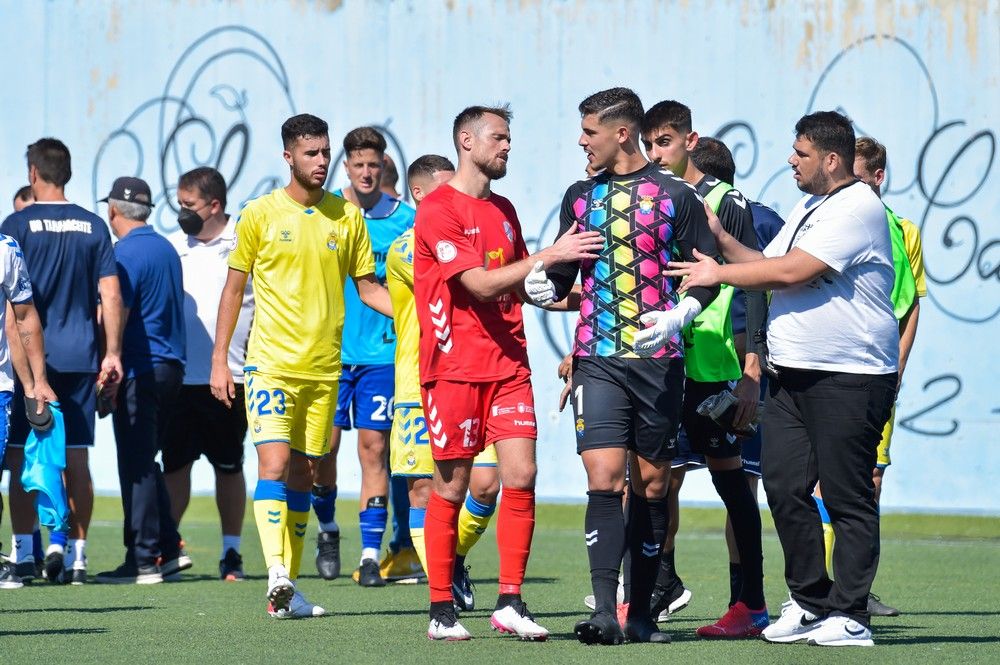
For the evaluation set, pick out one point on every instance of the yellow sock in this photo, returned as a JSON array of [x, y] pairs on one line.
[[828, 547], [417, 536], [271, 516], [295, 531], [472, 522]]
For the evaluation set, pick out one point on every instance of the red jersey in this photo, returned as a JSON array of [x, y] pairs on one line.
[[462, 339]]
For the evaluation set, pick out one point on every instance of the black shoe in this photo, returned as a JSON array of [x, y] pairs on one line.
[[369, 575], [461, 590], [877, 608], [664, 601], [129, 573], [173, 563], [53, 568], [600, 628], [78, 577], [8, 578], [644, 630], [26, 571], [231, 567], [328, 554]]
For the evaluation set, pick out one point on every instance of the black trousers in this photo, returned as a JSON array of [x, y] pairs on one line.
[[145, 402], [826, 426]]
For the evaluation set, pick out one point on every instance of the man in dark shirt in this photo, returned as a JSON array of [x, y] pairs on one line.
[[628, 375], [68, 253], [153, 363]]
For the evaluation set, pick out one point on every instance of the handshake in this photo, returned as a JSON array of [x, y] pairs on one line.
[[722, 409]]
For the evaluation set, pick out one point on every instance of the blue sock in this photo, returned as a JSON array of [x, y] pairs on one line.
[[324, 503], [36, 545], [399, 496], [479, 509], [417, 516], [823, 515], [58, 538], [372, 521]]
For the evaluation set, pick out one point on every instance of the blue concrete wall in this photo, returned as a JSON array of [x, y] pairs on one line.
[[155, 88]]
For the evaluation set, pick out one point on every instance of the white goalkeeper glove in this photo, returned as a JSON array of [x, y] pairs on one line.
[[539, 287], [663, 326]]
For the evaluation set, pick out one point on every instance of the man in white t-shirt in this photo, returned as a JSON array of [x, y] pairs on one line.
[[833, 348], [202, 425]]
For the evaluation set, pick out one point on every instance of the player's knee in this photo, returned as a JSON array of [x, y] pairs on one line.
[[485, 492], [521, 476]]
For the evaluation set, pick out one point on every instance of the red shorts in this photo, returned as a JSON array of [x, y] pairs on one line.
[[463, 418]]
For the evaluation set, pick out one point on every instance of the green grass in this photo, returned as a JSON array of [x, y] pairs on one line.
[[940, 570]]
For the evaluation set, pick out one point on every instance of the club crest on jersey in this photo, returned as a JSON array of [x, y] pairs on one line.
[[646, 205], [579, 427], [331, 241], [256, 427], [508, 230], [446, 251]]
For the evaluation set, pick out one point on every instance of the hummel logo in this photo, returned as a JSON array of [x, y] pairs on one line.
[[591, 537], [650, 549]]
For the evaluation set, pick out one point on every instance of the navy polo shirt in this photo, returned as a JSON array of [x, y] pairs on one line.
[[67, 250], [153, 291]]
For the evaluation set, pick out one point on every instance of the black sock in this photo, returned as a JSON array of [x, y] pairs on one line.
[[647, 527], [604, 532], [667, 577], [505, 599], [745, 517], [735, 582], [439, 606]]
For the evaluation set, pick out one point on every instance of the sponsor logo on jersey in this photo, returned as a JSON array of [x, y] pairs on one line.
[[472, 232], [502, 410], [508, 230], [59, 225], [495, 255], [446, 251], [524, 423]]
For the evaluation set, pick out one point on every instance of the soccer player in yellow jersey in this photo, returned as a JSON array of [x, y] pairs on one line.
[[410, 454], [300, 243]]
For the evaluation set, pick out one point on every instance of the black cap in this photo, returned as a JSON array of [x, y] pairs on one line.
[[133, 190]]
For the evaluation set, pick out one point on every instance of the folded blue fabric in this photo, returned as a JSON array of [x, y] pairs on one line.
[[44, 462]]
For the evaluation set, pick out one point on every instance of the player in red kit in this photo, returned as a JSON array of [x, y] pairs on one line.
[[470, 262]]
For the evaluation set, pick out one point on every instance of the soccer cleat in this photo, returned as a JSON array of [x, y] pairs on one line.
[[877, 608], [367, 574], [461, 589], [737, 623], [231, 567], [665, 602], [26, 569], [8, 578], [515, 619], [279, 588], [445, 626], [129, 573], [402, 567], [328, 554], [298, 608], [78, 575], [600, 628], [53, 568], [644, 630], [171, 566], [794, 624], [840, 631]]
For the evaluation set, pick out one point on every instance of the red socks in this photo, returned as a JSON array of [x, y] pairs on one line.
[[515, 527], [440, 538]]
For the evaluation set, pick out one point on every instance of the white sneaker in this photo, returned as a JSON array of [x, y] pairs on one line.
[[299, 608], [793, 625], [515, 619], [279, 588], [445, 626], [841, 631]]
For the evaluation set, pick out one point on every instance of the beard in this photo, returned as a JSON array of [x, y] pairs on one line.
[[818, 185], [305, 180], [493, 169]]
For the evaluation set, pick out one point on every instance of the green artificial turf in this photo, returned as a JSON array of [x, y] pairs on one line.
[[940, 570]]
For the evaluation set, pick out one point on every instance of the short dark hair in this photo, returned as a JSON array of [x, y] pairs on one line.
[[830, 132], [207, 181], [301, 125], [712, 157], [614, 104], [51, 159], [871, 152], [668, 113], [364, 138], [390, 174], [471, 114], [427, 165], [24, 194]]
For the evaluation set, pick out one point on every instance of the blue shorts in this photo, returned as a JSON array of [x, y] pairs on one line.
[[5, 398], [365, 397], [78, 401]]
